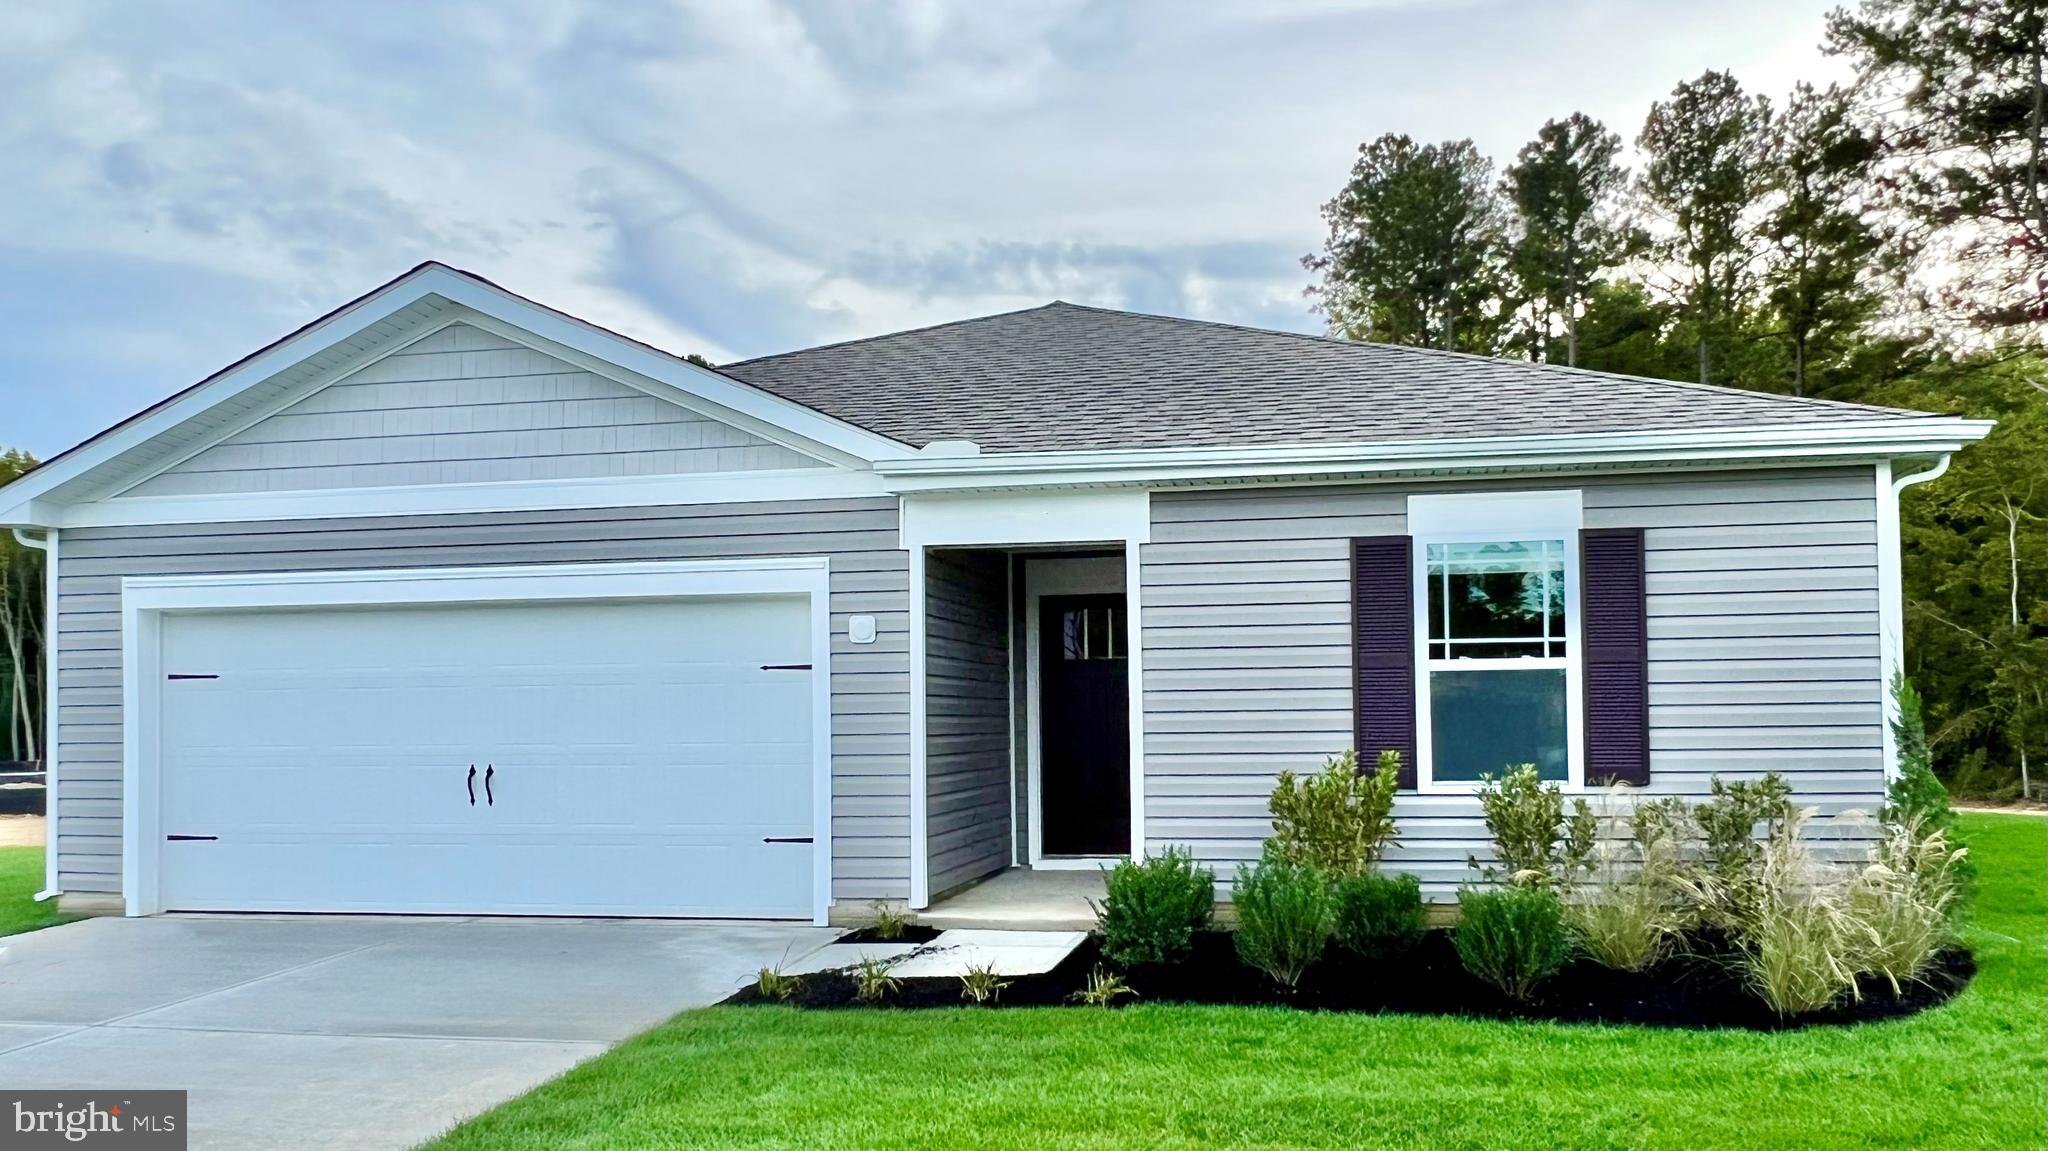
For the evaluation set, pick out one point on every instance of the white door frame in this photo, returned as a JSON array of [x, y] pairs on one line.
[[1057, 576], [1108, 518], [145, 600]]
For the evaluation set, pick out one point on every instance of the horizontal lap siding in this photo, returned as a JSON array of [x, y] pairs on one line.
[[463, 405], [870, 682], [1762, 603], [967, 720]]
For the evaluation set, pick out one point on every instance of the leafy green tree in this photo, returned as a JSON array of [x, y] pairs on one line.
[[1563, 186], [21, 631], [1704, 179], [1955, 89], [1975, 567], [1414, 251], [1817, 273]]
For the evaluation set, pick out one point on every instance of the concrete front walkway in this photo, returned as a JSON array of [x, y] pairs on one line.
[[350, 1033]]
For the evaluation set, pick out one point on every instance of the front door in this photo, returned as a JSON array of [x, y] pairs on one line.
[[1084, 732]]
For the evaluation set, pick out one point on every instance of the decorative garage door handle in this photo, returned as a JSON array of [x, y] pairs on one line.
[[471, 782], [489, 799]]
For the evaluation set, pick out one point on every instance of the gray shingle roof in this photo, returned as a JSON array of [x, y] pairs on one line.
[[1065, 377]]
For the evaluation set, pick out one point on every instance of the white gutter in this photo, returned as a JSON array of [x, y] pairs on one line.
[[48, 546], [1891, 596], [1867, 439]]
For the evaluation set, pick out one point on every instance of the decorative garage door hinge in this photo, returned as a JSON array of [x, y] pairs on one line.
[[787, 839], [189, 675], [193, 838], [785, 667]]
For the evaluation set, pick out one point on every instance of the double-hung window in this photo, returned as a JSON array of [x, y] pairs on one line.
[[1497, 637]]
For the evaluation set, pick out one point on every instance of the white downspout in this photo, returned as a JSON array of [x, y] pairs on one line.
[[48, 546], [1891, 605]]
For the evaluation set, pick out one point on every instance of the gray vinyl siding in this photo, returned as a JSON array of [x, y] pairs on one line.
[[1763, 625], [967, 718], [464, 405], [870, 682]]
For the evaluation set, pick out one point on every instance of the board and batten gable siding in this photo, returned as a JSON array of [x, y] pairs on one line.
[[967, 717], [463, 405], [1763, 647], [870, 682]]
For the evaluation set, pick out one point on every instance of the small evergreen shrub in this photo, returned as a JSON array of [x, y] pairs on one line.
[[1514, 937], [1283, 917], [1339, 820], [1378, 916], [1153, 907], [1535, 843], [1915, 795]]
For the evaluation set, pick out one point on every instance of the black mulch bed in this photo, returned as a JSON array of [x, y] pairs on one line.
[[1697, 989], [911, 933]]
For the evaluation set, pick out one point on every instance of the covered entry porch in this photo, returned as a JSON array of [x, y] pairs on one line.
[[1026, 727]]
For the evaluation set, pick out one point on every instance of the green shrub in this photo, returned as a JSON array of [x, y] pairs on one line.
[[1728, 820], [1534, 842], [1378, 916], [1628, 912], [1514, 938], [1915, 793], [1283, 916], [1153, 907], [1338, 820]]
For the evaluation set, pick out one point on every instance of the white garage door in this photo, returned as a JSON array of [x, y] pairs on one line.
[[630, 758]]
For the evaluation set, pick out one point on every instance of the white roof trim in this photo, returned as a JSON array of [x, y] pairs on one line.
[[1872, 439], [821, 483], [24, 502]]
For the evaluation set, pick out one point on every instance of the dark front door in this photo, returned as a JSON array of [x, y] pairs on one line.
[[1084, 731]]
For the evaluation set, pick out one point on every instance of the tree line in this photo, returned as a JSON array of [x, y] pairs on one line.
[[1881, 241]]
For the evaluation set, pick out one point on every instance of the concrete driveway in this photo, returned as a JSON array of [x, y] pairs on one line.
[[350, 1032]]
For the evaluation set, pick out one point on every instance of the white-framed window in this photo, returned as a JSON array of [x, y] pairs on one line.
[[1497, 637]]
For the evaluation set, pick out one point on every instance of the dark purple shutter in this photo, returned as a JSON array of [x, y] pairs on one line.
[[1383, 650], [1617, 648]]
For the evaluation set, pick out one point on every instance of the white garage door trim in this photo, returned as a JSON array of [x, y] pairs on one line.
[[146, 599]]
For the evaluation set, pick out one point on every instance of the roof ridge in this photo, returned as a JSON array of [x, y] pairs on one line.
[[858, 340], [1446, 353]]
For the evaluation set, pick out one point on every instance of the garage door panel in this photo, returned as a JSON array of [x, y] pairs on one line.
[[632, 759]]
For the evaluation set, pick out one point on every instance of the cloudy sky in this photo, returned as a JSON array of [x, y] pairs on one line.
[[184, 182]]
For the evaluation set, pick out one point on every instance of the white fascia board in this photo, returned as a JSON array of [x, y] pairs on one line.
[[476, 498], [1864, 439], [706, 385], [220, 591], [1038, 517]]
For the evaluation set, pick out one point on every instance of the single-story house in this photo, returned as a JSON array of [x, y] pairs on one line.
[[451, 602]]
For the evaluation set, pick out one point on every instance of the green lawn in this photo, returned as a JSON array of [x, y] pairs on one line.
[[1972, 1074], [21, 876]]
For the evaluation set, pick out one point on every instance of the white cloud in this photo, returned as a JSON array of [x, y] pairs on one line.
[[740, 176]]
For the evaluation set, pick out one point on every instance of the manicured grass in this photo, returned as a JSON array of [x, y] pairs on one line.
[[1970, 1074], [21, 876]]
